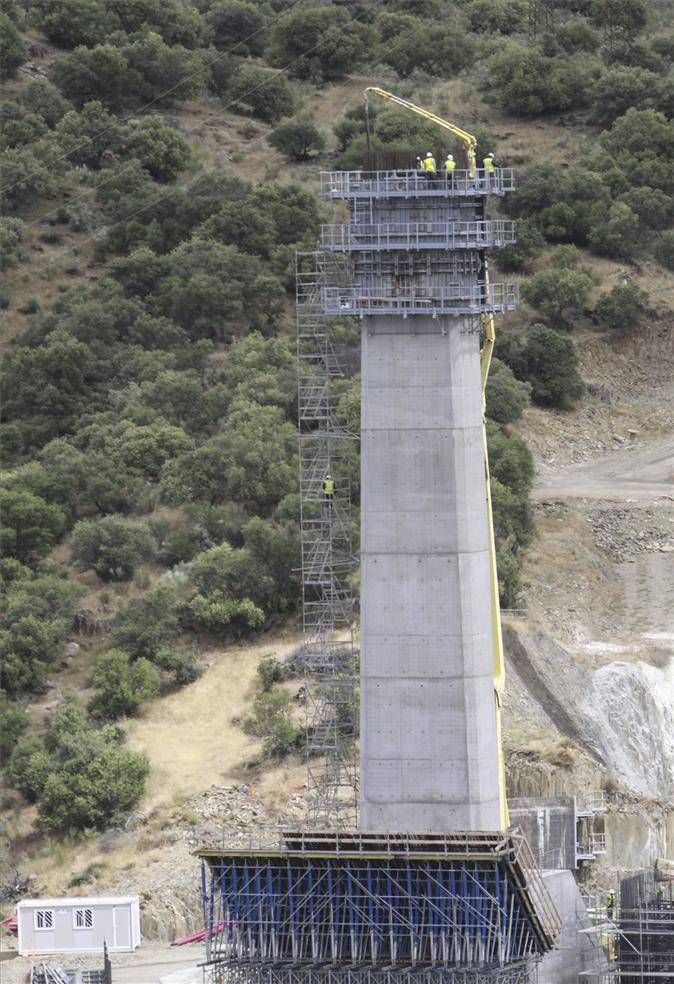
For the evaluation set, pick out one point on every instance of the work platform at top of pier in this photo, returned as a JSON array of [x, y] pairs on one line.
[[416, 184]]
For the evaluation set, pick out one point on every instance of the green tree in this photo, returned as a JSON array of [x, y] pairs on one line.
[[526, 82], [530, 243], [161, 150], [39, 96], [439, 49], [252, 460], [261, 92], [297, 140], [166, 73], [113, 546], [557, 293], [621, 87], [621, 20], [88, 135], [147, 625], [614, 235], [29, 767], [622, 307], [318, 43], [23, 177], [507, 396], [548, 361], [664, 249], [236, 23], [121, 685], [70, 23], [97, 74], [36, 618], [30, 526], [12, 49], [13, 722], [11, 234]]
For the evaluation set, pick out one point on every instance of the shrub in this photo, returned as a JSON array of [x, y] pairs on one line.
[[530, 242], [270, 671], [236, 22], [557, 293], [88, 135], [161, 150], [263, 93], [297, 140], [40, 97], [506, 396], [113, 546], [121, 685], [524, 81], [148, 624], [270, 720], [622, 307]]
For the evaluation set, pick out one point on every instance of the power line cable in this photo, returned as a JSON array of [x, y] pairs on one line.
[[166, 92]]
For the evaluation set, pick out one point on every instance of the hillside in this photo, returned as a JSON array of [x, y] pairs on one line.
[[159, 168]]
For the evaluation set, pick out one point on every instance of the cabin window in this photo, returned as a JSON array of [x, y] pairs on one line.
[[83, 918], [44, 918]]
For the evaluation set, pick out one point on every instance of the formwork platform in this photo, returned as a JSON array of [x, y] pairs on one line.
[[360, 905]]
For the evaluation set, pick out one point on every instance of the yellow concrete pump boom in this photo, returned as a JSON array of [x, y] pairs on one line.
[[467, 139], [470, 144]]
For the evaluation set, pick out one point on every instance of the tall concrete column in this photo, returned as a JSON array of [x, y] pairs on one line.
[[428, 730]]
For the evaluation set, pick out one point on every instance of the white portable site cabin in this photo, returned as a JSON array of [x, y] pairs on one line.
[[78, 925]]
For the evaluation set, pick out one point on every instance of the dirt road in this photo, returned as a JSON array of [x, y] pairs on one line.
[[632, 473]]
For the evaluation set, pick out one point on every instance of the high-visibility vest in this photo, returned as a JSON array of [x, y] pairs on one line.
[[420, 165], [328, 486], [489, 165], [429, 164], [449, 166]]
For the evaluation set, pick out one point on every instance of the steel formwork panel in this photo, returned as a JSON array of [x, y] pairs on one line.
[[522, 973], [478, 234]]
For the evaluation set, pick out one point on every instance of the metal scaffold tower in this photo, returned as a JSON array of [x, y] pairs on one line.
[[329, 652]]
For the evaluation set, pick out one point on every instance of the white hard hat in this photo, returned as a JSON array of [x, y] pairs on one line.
[[490, 155], [449, 157], [428, 154]]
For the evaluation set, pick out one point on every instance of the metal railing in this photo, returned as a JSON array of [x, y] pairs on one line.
[[456, 299], [418, 235], [414, 184]]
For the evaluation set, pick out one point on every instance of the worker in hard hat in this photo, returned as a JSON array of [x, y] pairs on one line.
[[328, 490], [489, 169], [450, 167], [430, 167], [420, 166]]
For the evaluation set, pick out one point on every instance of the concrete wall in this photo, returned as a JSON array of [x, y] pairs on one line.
[[577, 951], [428, 736]]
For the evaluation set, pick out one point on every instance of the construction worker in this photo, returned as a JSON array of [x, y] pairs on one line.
[[489, 169], [328, 490], [420, 166], [430, 167], [450, 166], [610, 904]]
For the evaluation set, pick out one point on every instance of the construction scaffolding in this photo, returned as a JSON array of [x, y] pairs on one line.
[[350, 907], [636, 930], [329, 654]]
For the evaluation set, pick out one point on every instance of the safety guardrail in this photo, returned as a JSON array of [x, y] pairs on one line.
[[457, 299], [480, 234], [414, 184]]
